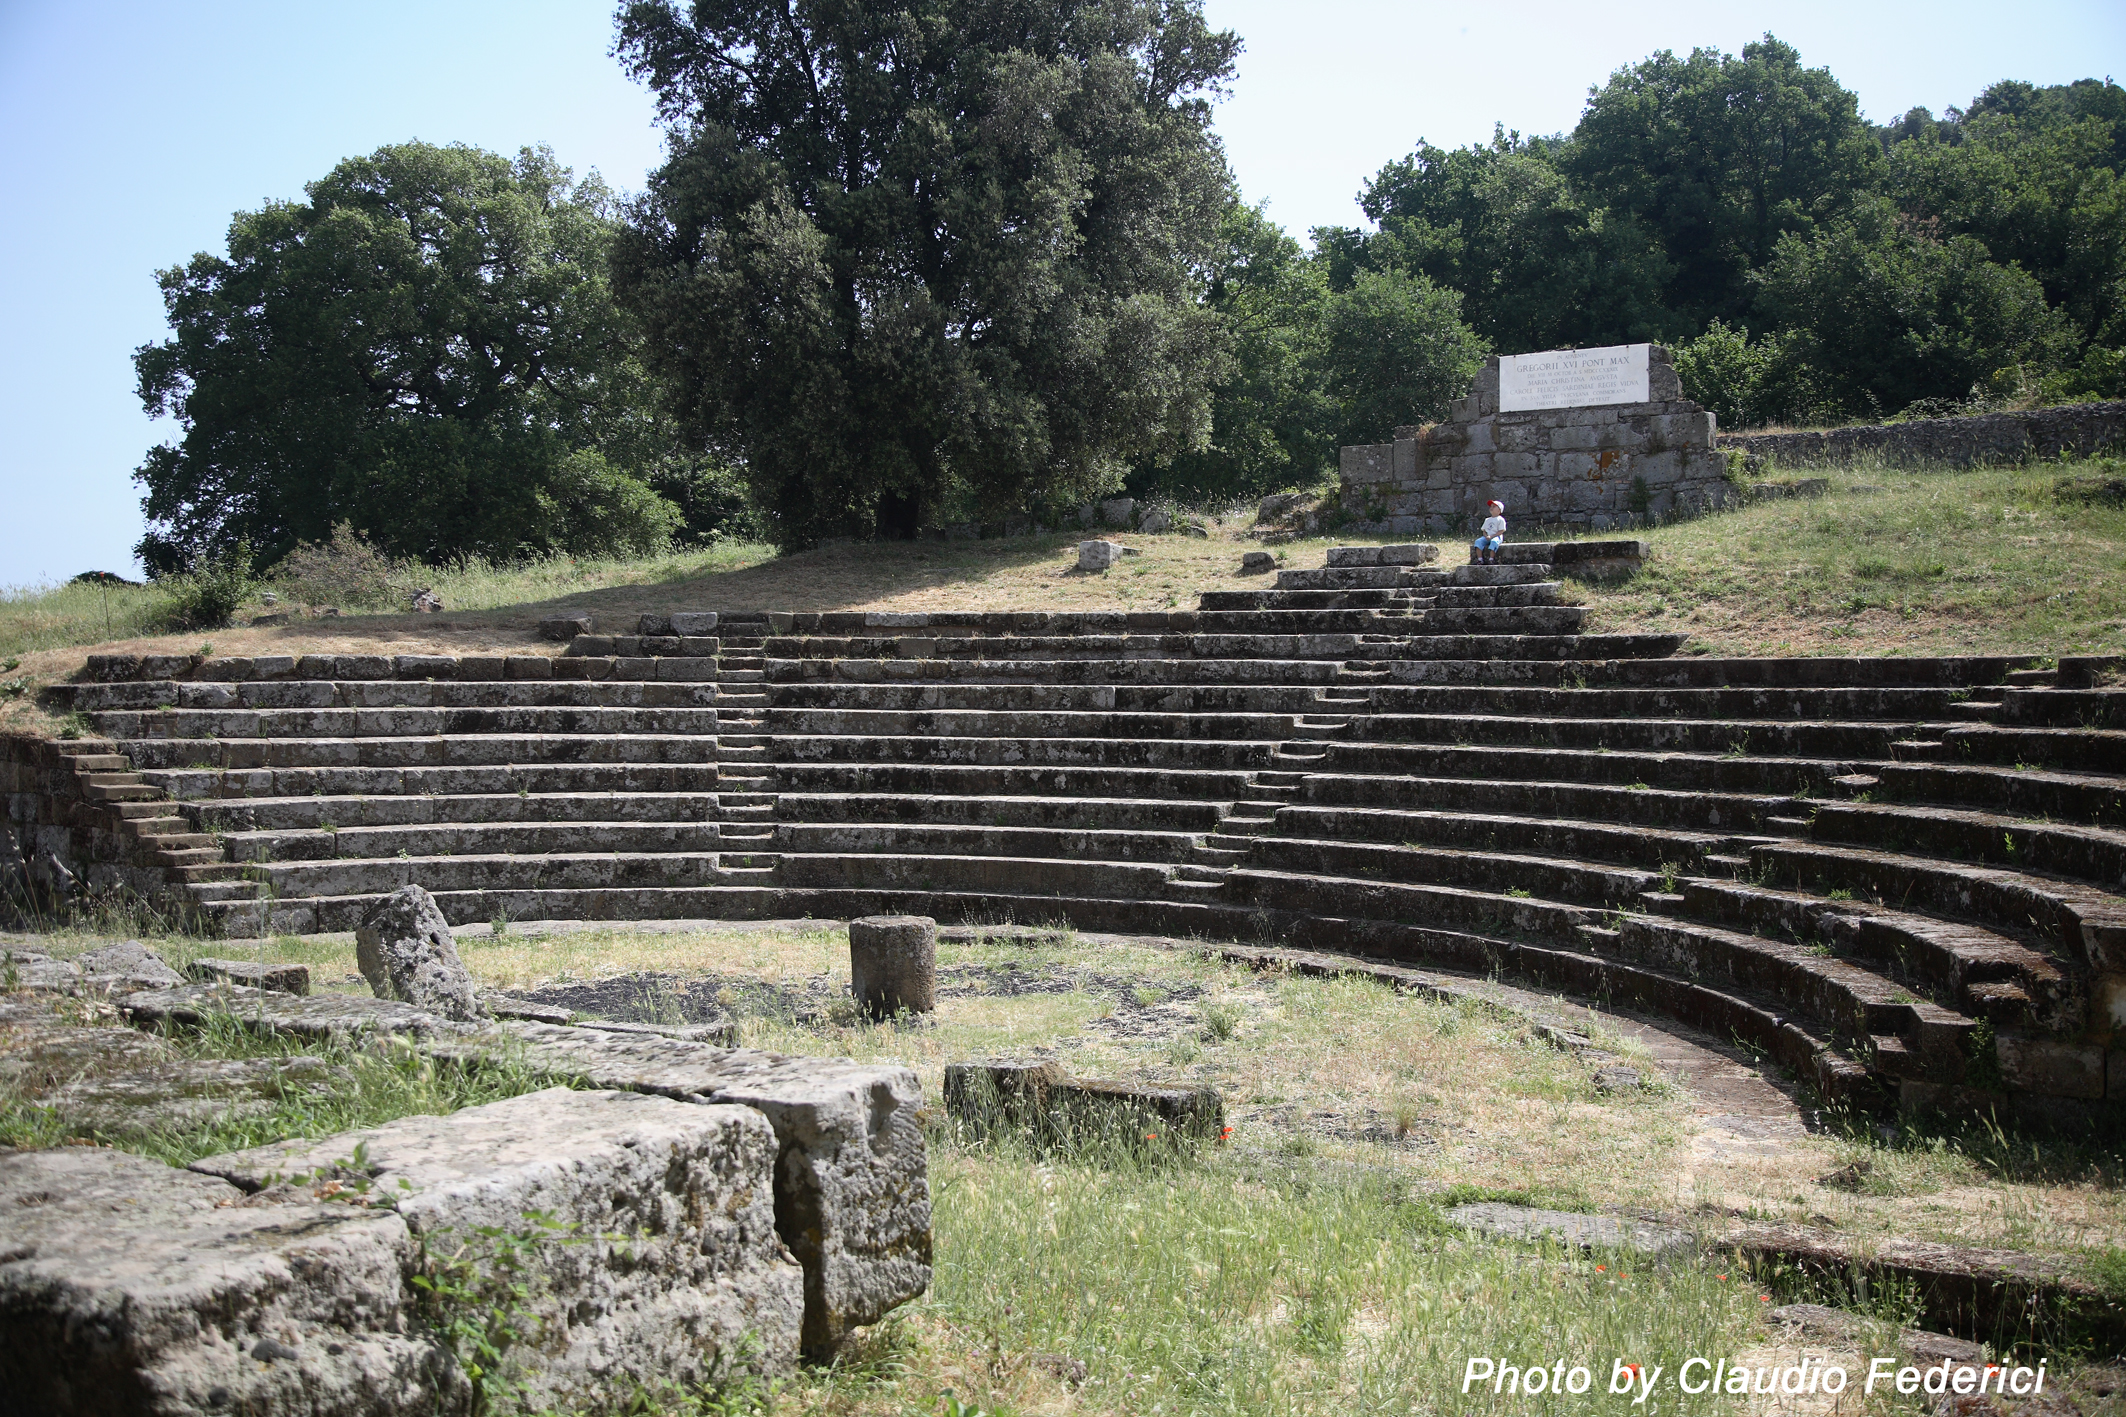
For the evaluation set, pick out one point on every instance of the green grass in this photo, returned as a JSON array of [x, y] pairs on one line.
[[55, 616], [1209, 1285], [1987, 561], [370, 1082]]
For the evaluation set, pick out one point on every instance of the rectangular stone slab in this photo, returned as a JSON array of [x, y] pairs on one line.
[[667, 1255], [128, 1286], [852, 1189]]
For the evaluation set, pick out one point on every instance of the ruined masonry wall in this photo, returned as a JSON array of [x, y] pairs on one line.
[[2071, 430], [52, 825], [1597, 468]]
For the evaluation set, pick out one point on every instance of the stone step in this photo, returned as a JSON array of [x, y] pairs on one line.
[[1850, 1002], [2085, 925], [1963, 966], [1014, 875], [473, 839], [2079, 749], [1501, 873], [924, 841], [920, 779], [1503, 620], [1759, 704], [2025, 704], [526, 779], [1006, 723], [1391, 598], [2036, 793], [289, 880], [1773, 738], [1201, 754], [1475, 575], [1103, 670], [383, 693], [1676, 771], [122, 791], [1685, 809], [1340, 578], [1529, 593], [1445, 907], [1056, 813], [459, 750], [277, 724], [1645, 847], [2088, 853]]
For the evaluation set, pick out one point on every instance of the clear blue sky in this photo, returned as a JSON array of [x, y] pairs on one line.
[[130, 131]]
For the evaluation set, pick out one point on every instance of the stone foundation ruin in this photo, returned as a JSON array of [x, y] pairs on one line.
[[1900, 880], [1597, 468]]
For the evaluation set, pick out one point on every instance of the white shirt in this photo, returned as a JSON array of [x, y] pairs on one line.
[[1494, 526]]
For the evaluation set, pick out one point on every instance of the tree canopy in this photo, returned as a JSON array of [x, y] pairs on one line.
[[428, 349], [924, 263], [1831, 267]]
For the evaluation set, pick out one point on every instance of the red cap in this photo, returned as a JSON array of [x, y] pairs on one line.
[[1496, 503]]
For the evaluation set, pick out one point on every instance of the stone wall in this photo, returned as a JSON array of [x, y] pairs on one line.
[[2077, 430], [57, 838], [1613, 466]]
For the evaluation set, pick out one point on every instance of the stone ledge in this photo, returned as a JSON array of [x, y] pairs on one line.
[[668, 1262], [852, 1190]]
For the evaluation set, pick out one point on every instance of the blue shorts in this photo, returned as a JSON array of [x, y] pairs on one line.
[[1487, 543]]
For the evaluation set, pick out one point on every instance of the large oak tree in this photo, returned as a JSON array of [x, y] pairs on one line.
[[913, 260], [426, 348]]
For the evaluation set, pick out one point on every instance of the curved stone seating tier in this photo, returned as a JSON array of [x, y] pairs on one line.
[[1903, 879]]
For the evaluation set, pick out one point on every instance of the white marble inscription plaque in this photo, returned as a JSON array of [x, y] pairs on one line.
[[1573, 378]]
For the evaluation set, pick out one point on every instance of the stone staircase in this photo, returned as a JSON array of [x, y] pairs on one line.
[[1899, 878]]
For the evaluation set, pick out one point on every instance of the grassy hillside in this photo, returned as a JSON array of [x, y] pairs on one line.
[[1889, 562]]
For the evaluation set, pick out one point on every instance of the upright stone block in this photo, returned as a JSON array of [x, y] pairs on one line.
[[127, 1286], [662, 1255], [893, 964]]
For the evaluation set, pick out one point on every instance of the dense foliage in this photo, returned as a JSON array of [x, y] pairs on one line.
[[1807, 263], [426, 349], [908, 265], [977, 258]]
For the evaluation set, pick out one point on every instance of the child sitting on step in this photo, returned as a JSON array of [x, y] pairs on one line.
[[1484, 551]]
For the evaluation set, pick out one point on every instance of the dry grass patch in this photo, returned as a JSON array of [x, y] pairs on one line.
[[1988, 561]]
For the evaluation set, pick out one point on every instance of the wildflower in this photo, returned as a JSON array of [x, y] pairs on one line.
[[1721, 1277], [1226, 1134], [1600, 1267], [1151, 1136], [1764, 1298]]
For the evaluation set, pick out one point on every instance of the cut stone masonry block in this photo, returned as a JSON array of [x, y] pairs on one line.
[[661, 1262]]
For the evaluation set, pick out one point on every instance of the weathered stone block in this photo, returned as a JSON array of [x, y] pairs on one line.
[[566, 626], [1098, 555], [127, 1286], [664, 1256], [893, 964], [1257, 563], [405, 951], [1373, 462], [1041, 1097], [693, 622], [1403, 459], [278, 978], [1354, 556], [2052, 1068], [1409, 554]]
